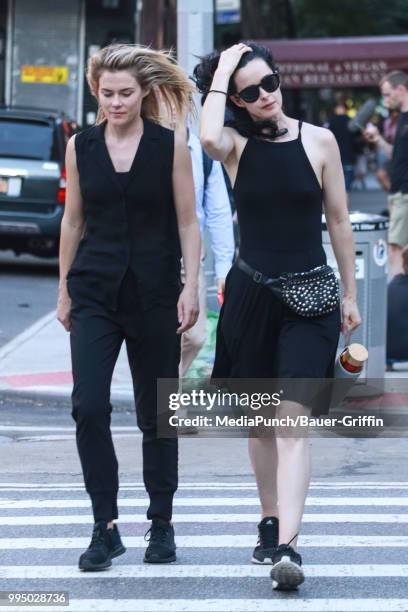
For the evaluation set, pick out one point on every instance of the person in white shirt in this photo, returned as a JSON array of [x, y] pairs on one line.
[[214, 213]]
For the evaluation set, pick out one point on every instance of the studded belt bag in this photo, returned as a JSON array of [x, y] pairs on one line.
[[308, 294]]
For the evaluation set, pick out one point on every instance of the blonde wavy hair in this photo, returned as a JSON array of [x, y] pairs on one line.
[[170, 92]]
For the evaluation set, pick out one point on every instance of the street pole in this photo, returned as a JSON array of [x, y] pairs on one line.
[[138, 21], [195, 36]]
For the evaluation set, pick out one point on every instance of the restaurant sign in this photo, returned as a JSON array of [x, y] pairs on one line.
[[343, 73]]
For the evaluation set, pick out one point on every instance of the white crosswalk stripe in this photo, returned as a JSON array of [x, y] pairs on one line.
[[30, 572], [204, 501], [79, 519], [353, 539], [206, 486], [209, 541]]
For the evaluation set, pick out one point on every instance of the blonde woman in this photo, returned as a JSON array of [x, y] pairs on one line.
[[130, 207]]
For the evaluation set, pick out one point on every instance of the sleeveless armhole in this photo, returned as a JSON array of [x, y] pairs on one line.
[[309, 163], [76, 146], [79, 141]]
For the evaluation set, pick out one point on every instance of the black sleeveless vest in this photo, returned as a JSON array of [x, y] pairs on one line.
[[127, 225]]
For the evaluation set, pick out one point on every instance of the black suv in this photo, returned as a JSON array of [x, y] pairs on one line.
[[32, 178]]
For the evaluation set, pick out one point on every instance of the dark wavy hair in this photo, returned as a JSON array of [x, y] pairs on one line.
[[238, 117]]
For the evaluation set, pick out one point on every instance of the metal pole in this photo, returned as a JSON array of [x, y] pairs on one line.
[[9, 53], [138, 20], [195, 34], [152, 23], [81, 63]]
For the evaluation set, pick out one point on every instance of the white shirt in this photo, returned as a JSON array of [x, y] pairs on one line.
[[213, 208]]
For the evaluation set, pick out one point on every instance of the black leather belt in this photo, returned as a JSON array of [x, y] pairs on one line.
[[257, 277]]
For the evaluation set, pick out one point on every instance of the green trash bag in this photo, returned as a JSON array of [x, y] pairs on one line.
[[203, 363]]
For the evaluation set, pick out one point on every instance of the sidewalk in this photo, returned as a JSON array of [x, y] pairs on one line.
[[36, 365]]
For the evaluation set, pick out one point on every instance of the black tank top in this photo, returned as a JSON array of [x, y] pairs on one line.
[[123, 178], [399, 164], [130, 221], [279, 205]]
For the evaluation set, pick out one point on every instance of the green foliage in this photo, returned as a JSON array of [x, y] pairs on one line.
[[323, 18], [326, 18], [202, 365], [266, 19]]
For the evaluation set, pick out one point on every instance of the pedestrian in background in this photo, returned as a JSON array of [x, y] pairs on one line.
[[397, 319], [339, 125], [394, 89], [280, 170], [214, 214], [382, 174], [130, 203]]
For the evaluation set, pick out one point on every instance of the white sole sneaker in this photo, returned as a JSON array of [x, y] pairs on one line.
[[266, 561], [286, 575]]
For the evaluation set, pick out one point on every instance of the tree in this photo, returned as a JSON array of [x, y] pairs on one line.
[[323, 18], [272, 19]]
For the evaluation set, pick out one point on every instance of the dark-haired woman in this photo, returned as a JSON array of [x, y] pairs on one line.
[[282, 171]]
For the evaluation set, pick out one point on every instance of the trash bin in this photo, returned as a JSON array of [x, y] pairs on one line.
[[370, 238]]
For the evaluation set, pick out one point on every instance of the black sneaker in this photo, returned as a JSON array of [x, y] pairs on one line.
[[162, 548], [105, 545], [286, 572], [268, 539]]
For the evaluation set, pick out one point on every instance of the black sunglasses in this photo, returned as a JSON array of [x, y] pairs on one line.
[[269, 83]]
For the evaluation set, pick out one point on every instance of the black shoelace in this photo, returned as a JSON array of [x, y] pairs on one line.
[[294, 555], [157, 533], [296, 534], [288, 544], [97, 536]]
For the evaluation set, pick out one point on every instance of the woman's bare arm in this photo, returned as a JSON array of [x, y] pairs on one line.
[[72, 228], [338, 225], [217, 140], [189, 231]]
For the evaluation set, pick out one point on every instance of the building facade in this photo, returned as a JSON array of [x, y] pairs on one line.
[[45, 44]]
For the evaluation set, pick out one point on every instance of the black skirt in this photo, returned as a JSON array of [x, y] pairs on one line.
[[259, 337]]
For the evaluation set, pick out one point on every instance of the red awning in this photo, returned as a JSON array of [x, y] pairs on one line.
[[338, 62]]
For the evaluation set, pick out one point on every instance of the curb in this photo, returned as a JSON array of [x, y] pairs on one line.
[[27, 334], [119, 403]]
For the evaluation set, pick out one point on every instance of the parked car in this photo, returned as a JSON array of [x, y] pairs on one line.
[[32, 178]]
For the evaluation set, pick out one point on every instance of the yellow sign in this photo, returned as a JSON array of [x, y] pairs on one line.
[[45, 74]]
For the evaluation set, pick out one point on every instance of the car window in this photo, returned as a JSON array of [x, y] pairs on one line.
[[27, 139]]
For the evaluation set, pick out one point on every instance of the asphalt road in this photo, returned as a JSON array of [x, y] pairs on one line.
[[29, 288], [353, 536]]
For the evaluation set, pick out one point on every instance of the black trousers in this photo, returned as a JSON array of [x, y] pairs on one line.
[[153, 350]]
